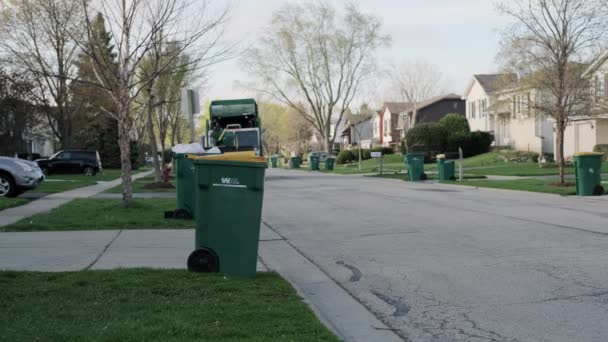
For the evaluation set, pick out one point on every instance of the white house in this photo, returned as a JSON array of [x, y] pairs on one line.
[[495, 103], [481, 93], [584, 132]]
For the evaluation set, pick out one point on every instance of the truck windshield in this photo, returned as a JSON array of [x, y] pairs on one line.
[[246, 139]]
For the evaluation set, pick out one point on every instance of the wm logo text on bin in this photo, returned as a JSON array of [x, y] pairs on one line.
[[229, 183], [232, 181]]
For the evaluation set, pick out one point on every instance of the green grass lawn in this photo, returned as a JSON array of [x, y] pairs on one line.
[[432, 176], [94, 214], [54, 187], [492, 165], [6, 202], [535, 185], [138, 185], [105, 175], [391, 163], [152, 305], [65, 182]]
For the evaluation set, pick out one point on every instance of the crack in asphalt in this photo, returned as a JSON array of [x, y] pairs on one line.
[[356, 272], [401, 309], [103, 251]]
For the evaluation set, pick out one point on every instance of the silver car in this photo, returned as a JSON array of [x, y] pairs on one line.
[[18, 176]]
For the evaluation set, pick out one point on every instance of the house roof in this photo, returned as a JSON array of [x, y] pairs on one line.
[[598, 63], [396, 107], [356, 119], [434, 100], [492, 82]]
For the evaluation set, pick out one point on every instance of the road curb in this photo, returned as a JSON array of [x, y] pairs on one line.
[[342, 313]]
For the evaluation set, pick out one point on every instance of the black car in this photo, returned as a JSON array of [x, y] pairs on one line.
[[72, 161]]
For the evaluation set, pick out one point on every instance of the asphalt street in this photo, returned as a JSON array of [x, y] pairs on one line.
[[375, 257], [450, 263]]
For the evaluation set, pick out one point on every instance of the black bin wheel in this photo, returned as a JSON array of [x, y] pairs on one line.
[[598, 190], [424, 177], [203, 260]]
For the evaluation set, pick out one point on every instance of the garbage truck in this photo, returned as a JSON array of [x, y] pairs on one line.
[[234, 125]]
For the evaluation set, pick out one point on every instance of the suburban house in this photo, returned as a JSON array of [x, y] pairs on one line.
[[496, 103], [482, 92], [585, 131], [432, 110], [385, 123], [358, 131]]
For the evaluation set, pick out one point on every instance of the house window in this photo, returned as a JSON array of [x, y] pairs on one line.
[[473, 103], [598, 87], [455, 105], [606, 86], [483, 104], [514, 107]]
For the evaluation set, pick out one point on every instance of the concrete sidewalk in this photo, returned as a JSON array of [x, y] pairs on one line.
[[46, 203]]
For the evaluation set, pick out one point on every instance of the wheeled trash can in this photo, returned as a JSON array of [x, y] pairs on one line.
[[229, 196]]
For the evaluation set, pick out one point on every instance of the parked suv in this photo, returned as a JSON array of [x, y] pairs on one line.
[[72, 161], [18, 176]]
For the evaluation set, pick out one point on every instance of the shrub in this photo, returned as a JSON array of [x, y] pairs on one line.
[[430, 135], [365, 154], [384, 150], [472, 143], [344, 157], [455, 123]]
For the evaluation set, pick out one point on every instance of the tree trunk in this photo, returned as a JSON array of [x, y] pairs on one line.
[[125, 151], [559, 153], [157, 172]]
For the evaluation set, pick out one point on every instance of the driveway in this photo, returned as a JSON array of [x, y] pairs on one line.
[[450, 263]]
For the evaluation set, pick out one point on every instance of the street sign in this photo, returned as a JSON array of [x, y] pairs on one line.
[[376, 154]]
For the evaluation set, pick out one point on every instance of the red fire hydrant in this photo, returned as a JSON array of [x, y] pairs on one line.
[[166, 173]]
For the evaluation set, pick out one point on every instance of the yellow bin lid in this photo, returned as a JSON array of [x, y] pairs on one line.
[[243, 156], [588, 154], [440, 156]]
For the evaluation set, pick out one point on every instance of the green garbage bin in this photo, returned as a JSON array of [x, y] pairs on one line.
[[274, 161], [295, 162], [415, 166], [588, 171], [329, 163], [229, 195], [445, 168], [185, 189], [314, 163]]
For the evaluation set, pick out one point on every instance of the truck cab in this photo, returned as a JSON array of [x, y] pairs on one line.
[[234, 125]]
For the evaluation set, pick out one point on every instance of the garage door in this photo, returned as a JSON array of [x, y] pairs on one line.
[[584, 137]]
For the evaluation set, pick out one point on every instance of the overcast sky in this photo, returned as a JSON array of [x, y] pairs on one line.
[[459, 36]]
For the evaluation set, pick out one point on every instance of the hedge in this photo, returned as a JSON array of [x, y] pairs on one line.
[[384, 150], [344, 157]]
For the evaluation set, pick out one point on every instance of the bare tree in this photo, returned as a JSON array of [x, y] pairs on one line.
[[40, 37], [551, 42], [136, 27], [415, 82], [314, 55]]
